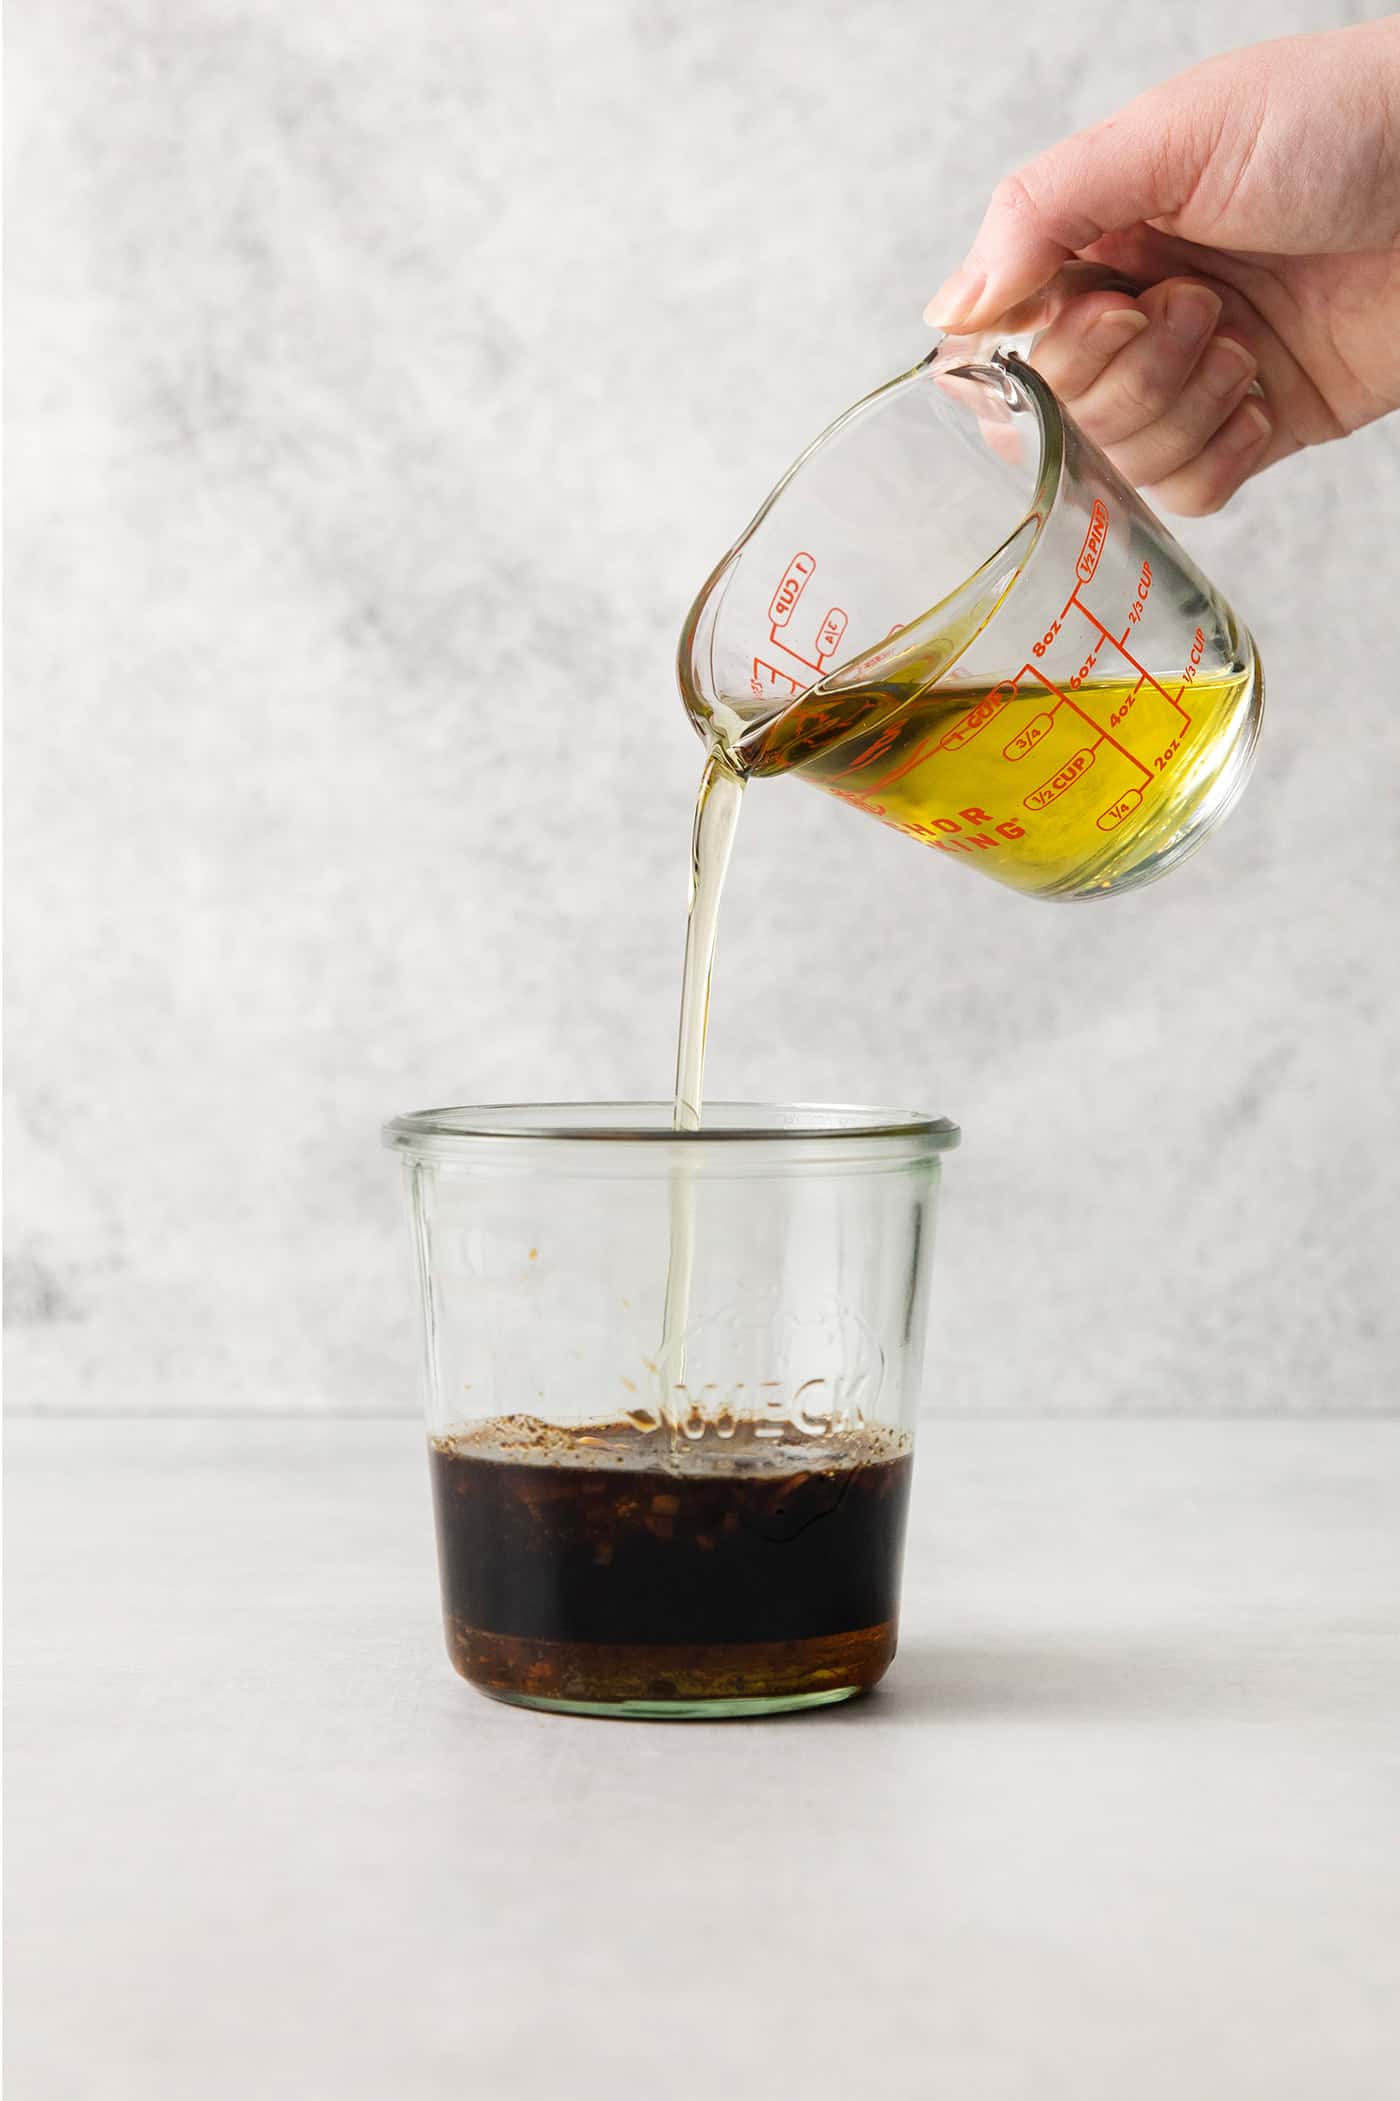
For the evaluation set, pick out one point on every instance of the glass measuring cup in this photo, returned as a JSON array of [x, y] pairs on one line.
[[954, 614]]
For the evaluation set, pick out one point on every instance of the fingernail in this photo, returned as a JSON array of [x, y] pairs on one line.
[[1191, 312], [956, 298], [1248, 427], [1225, 366], [1112, 330]]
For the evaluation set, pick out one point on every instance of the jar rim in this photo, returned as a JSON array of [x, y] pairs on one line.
[[649, 1123]]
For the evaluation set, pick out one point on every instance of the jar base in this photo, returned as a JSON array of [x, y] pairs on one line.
[[749, 1709], [681, 1681]]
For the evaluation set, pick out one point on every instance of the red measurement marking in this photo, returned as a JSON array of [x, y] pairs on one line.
[[1065, 702], [916, 757], [1106, 738], [794, 583], [1198, 650], [1113, 816], [859, 802], [876, 749], [1139, 604], [1122, 714], [1086, 667], [972, 725], [882, 656], [812, 665], [1094, 540], [1039, 798], [766, 676], [1128, 657], [1033, 671], [831, 631], [1026, 740], [796, 577]]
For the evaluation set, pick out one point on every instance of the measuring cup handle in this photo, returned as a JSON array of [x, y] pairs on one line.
[[1018, 329]]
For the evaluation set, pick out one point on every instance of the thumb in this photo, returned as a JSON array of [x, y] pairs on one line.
[[1142, 164]]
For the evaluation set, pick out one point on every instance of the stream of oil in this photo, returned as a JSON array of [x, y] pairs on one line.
[[717, 808]]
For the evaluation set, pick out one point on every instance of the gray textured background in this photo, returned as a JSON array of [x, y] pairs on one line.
[[384, 378]]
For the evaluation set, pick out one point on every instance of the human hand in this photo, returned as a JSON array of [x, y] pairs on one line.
[[1257, 200]]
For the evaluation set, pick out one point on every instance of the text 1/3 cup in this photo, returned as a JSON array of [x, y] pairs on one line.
[[706, 1522]]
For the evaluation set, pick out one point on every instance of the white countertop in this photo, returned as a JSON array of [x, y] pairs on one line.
[[1121, 1823]]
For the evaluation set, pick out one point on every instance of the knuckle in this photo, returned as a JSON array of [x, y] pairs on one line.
[[1142, 394], [1045, 193], [1014, 196]]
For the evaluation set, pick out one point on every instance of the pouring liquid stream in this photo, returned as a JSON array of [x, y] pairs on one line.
[[716, 818], [717, 808]]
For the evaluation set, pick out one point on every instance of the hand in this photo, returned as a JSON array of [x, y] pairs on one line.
[[1257, 198]]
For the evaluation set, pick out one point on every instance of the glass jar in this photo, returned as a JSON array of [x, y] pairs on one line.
[[671, 1382]]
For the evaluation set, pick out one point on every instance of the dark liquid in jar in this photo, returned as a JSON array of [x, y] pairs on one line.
[[593, 1565]]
